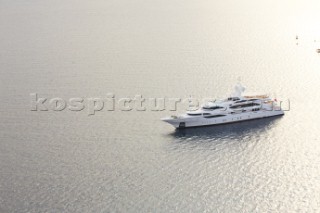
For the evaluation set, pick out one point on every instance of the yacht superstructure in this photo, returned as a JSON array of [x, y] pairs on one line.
[[236, 108]]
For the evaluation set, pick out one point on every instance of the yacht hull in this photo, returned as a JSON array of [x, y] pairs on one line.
[[230, 118]]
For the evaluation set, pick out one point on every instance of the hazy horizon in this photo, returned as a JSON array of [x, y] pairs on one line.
[[69, 161]]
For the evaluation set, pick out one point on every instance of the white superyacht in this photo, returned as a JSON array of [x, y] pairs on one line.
[[236, 108]]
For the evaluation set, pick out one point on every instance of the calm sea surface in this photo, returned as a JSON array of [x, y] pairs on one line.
[[131, 161]]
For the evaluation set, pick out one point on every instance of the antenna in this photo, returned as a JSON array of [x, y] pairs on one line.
[[275, 97]]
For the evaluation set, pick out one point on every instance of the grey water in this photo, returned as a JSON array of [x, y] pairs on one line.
[[115, 161]]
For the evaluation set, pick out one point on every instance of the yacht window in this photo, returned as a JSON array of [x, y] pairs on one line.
[[244, 105], [214, 116], [213, 107], [194, 114], [241, 101], [233, 99], [235, 107]]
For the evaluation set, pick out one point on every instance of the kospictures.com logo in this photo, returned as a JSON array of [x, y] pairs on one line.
[[111, 103]]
